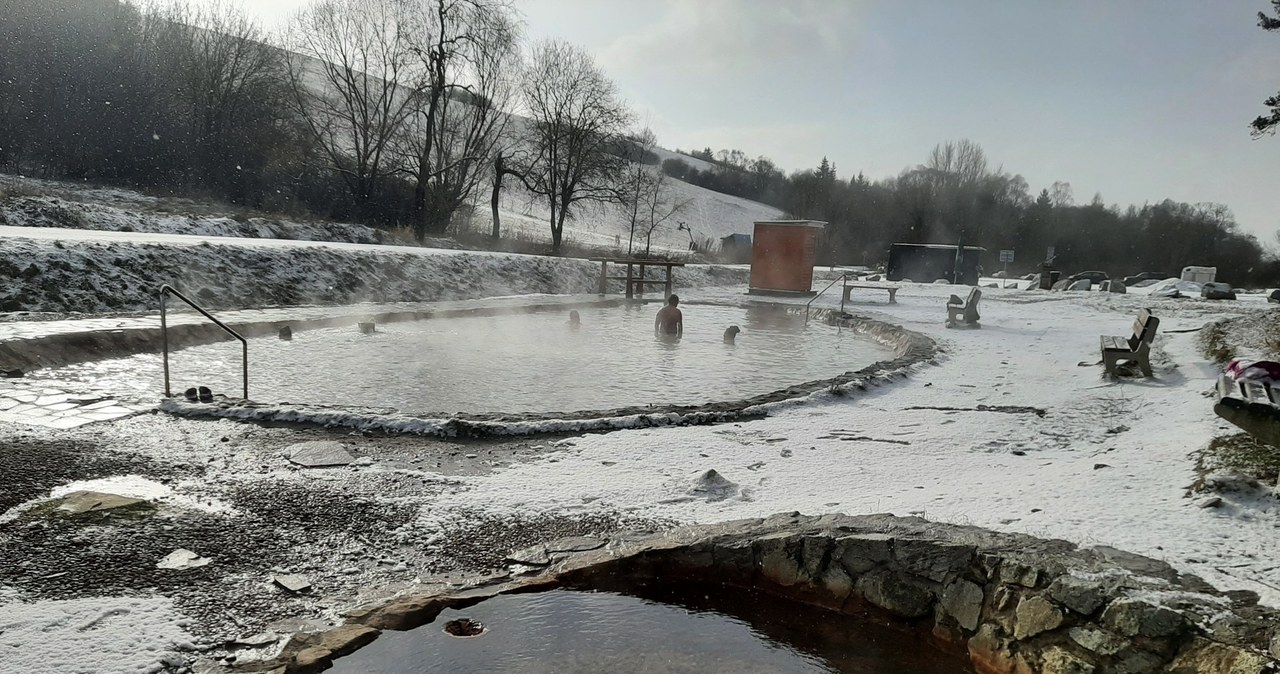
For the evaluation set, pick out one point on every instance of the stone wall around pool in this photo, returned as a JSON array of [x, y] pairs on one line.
[[1015, 604]]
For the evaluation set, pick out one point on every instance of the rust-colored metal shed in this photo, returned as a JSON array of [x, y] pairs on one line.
[[782, 255]]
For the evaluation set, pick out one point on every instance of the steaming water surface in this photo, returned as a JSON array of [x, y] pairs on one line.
[[565, 632], [515, 363]]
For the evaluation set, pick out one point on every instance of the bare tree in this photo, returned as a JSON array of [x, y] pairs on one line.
[[576, 123], [352, 79], [638, 181], [659, 206], [468, 53], [957, 164], [644, 191], [225, 79], [1061, 194]]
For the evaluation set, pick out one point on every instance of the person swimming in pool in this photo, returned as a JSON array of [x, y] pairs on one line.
[[575, 321], [669, 322]]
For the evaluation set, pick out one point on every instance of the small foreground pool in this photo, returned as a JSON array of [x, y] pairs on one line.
[[511, 363], [704, 631]]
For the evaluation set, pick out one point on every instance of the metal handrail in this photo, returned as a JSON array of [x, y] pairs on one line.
[[843, 277], [164, 337]]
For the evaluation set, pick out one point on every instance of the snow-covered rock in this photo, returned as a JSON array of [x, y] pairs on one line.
[[1174, 287]]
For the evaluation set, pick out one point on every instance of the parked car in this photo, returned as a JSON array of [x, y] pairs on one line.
[[1145, 276], [1094, 277]]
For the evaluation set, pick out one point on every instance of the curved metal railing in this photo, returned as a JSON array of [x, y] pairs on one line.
[[839, 279], [164, 336]]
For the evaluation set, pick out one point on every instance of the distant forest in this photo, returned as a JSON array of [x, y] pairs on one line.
[[956, 196], [391, 112]]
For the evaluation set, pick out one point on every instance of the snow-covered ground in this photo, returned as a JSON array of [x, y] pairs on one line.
[[1107, 464], [1014, 429], [28, 202], [59, 270]]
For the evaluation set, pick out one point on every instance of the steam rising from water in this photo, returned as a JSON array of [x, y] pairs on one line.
[[522, 363]]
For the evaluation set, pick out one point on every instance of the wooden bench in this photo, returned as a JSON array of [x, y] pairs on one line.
[[1135, 348], [1253, 406], [964, 310], [893, 291]]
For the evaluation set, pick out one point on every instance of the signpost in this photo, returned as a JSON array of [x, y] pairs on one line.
[[1006, 256]]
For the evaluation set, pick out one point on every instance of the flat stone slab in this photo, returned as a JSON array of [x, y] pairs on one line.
[[534, 556], [575, 544], [320, 454], [78, 502], [256, 641], [182, 559], [52, 408], [293, 583]]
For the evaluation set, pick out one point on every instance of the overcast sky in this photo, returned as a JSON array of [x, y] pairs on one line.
[[1138, 100]]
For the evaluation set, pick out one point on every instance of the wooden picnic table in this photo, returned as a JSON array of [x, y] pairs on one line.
[[635, 280]]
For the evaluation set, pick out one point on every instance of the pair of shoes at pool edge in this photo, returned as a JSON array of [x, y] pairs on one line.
[[201, 394]]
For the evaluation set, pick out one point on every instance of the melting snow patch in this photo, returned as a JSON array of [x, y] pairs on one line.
[[112, 634], [136, 486]]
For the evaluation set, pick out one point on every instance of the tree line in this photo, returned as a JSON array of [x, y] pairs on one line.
[[408, 112], [388, 112], [957, 197]]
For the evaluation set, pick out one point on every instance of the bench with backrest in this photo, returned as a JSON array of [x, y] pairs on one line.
[[893, 291], [1134, 348], [965, 310], [1253, 406]]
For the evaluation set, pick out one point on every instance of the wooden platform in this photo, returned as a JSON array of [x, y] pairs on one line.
[[634, 279]]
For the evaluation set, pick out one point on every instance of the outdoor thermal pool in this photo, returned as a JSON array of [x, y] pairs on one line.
[[510, 363]]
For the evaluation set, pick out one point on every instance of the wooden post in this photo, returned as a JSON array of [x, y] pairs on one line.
[[640, 285], [630, 287], [667, 289], [604, 281]]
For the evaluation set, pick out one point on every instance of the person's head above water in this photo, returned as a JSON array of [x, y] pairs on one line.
[[574, 317], [673, 300]]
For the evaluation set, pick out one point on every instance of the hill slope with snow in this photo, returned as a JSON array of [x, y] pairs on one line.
[[28, 202]]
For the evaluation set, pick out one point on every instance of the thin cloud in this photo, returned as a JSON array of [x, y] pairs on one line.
[[725, 36]]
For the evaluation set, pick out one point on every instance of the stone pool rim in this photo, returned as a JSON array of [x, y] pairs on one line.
[[1011, 603], [911, 350]]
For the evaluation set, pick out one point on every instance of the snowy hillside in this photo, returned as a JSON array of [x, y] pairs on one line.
[[710, 215], [28, 202]]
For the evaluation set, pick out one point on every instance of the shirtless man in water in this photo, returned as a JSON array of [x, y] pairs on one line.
[[669, 321]]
